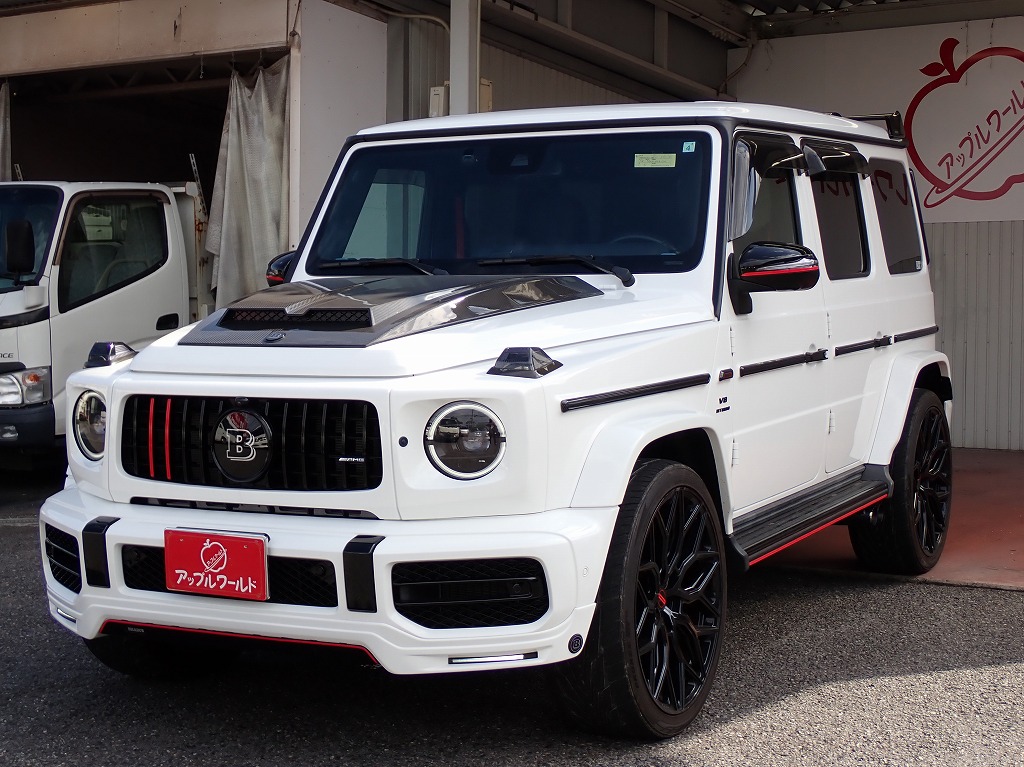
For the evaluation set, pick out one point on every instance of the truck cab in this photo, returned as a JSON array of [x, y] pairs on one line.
[[80, 262]]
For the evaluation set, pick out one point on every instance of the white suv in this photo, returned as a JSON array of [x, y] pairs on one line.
[[533, 381]]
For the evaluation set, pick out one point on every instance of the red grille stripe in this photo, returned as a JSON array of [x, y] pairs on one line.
[[167, 439], [152, 408]]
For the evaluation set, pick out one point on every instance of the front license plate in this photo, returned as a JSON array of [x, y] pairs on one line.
[[217, 564]]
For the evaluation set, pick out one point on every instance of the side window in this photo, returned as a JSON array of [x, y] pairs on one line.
[[897, 217], [840, 215], [774, 213], [110, 241]]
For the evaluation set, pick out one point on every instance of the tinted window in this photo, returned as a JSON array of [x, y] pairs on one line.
[[840, 217], [897, 217], [774, 214], [37, 205], [636, 199]]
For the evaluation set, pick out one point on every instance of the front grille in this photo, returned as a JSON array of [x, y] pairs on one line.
[[273, 319], [309, 582], [315, 445], [65, 561], [470, 593]]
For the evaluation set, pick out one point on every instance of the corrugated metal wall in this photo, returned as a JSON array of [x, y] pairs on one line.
[[978, 271], [517, 82]]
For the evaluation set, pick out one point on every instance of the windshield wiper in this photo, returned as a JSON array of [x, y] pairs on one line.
[[621, 272], [412, 263]]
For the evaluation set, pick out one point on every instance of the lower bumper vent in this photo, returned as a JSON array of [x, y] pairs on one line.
[[308, 582], [65, 561], [470, 593]]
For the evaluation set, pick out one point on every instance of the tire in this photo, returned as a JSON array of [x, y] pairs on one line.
[[159, 660], [906, 533], [656, 637]]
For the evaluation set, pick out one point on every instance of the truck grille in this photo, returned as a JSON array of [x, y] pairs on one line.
[[290, 581], [470, 593], [64, 559], [314, 445]]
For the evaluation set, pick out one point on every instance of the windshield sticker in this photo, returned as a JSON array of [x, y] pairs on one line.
[[654, 161], [689, 146]]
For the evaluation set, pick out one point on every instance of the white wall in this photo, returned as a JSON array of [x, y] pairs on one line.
[[137, 30], [339, 87], [964, 102]]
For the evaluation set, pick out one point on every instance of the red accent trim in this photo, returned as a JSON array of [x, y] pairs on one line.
[[152, 407], [802, 270], [232, 635], [167, 439], [818, 530]]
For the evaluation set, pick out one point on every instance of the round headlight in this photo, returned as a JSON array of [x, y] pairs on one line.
[[90, 424], [464, 440]]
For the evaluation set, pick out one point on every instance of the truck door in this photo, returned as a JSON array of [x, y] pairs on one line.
[[120, 276]]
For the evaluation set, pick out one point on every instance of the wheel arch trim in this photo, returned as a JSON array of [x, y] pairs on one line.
[[904, 376]]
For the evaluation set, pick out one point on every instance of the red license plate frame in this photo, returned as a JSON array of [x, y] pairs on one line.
[[216, 564]]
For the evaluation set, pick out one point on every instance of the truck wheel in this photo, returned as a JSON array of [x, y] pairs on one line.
[[650, 659], [906, 533], [158, 660]]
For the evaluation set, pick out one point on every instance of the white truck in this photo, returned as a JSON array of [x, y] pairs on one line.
[[81, 262], [533, 381]]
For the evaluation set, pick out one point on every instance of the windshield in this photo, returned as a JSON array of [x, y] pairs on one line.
[[540, 203], [37, 205]]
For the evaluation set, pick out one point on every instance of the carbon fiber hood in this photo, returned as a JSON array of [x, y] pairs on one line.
[[359, 312]]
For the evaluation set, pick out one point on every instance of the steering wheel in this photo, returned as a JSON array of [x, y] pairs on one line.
[[663, 245]]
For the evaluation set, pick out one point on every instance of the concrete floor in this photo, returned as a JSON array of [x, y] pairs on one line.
[[985, 546]]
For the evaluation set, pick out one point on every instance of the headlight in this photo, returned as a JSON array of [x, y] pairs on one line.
[[464, 440], [25, 387], [90, 424]]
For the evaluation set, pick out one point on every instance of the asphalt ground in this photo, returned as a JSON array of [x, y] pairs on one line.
[[818, 669]]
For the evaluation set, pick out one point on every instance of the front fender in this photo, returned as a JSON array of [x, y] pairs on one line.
[[902, 379], [616, 448]]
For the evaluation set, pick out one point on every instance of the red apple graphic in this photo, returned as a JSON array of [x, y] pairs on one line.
[[965, 145]]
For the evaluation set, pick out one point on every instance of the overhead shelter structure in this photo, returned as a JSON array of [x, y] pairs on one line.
[[138, 89]]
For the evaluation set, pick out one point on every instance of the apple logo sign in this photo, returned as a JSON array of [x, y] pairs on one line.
[[968, 146]]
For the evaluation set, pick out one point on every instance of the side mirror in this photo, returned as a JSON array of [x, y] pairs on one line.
[[769, 266], [20, 247], [279, 267]]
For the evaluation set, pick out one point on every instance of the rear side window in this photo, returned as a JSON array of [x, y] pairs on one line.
[[897, 217], [840, 215]]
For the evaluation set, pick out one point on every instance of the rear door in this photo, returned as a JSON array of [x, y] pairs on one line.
[[115, 277]]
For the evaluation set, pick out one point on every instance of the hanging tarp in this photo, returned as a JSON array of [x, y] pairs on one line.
[[249, 206], [5, 132]]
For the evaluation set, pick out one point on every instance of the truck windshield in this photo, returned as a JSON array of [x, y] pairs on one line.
[[39, 206], [525, 203]]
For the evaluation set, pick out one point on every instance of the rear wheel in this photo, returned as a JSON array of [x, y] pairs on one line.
[[654, 645], [906, 533]]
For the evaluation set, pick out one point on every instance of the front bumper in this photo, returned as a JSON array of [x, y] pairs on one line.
[[31, 426], [569, 544]]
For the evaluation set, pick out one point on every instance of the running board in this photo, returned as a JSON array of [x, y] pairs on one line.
[[759, 534]]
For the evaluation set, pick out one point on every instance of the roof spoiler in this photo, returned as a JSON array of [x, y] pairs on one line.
[[893, 123]]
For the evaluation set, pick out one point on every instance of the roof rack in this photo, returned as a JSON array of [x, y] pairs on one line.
[[893, 123]]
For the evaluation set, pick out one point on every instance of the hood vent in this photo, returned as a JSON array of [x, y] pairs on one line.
[[273, 319]]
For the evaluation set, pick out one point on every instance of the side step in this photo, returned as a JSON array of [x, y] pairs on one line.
[[759, 534]]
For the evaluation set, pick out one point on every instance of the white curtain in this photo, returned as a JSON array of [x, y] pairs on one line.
[[5, 133], [249, 206]]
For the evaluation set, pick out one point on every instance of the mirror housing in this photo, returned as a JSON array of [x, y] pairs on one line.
[[20, 244], [770, 266], [279, 268]]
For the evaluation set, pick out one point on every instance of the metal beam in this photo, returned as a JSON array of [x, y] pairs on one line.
[[464, 58], [883, 16]]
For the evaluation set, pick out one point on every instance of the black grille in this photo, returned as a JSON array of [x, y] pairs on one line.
[[271, 319], [470, 593], [316, 445], [65, 561], [309, 582]]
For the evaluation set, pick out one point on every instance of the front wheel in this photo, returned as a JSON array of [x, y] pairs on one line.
[[656, 638], [906, 533]]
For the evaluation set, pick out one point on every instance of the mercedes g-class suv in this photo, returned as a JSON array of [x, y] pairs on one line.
[[533, 384]]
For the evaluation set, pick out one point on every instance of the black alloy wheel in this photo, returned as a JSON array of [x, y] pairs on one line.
[[656, 638], [906, 533]]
